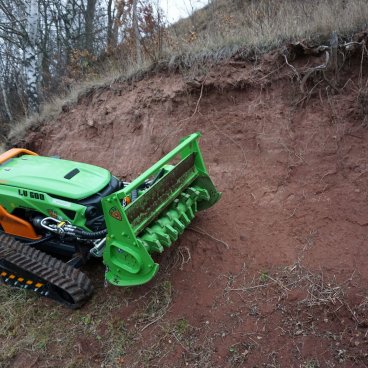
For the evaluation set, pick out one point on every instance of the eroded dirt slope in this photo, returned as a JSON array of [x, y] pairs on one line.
[[276, 273]]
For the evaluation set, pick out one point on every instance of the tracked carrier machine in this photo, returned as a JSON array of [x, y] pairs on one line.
[[57, 214]]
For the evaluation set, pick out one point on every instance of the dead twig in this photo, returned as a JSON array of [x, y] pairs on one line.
[[199, 99], [201, 231], [353, 314], [273, 71], [154, 321], [278, 282], [250, 287], [183, 259], [293, 213], [309, 93]]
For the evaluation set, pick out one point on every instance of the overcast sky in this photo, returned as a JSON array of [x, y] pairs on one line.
[[176, 9]]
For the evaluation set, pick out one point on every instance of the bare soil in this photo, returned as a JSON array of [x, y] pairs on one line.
[[274, 275]]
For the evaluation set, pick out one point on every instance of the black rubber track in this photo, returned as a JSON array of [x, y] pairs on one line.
[[62, 282]]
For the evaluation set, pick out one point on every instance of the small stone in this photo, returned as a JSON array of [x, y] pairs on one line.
[[65, 108]]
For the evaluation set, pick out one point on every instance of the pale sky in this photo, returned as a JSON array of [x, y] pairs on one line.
[[176, 9]]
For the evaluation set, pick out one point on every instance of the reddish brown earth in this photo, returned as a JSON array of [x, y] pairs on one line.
[[277, 275]]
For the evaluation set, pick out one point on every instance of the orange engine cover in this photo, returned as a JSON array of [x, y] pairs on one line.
[[14, 225]]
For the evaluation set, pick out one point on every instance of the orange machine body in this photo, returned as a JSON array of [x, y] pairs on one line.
[[14, 225], [11, 224]]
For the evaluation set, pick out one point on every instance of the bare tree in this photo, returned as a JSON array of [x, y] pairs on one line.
[[89, 16], [30, 57], [5, 99], [45, 44], [136, 33]]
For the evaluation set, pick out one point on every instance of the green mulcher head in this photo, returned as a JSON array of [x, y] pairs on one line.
[[141, 221]]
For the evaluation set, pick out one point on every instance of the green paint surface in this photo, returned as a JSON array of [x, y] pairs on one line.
[[47, 175]]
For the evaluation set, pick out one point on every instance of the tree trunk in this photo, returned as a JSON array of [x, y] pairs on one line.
[[5, 99], [89, 24], [110, 21], [136, 33], [45, 60], [30, 58], [118, 21]]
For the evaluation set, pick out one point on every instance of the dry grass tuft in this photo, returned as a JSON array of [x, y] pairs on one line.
[[157, 305], [225, 27], [238, 354], [19, 314], [322, 292]]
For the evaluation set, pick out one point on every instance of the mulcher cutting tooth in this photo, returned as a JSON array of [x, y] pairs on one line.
[[164, 238], [184, 219], [179, 227], [172, 233]]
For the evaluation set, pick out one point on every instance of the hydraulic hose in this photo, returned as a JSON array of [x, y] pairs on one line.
[[91, 235]]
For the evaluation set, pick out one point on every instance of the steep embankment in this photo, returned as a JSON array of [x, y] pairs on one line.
[[276, 272]]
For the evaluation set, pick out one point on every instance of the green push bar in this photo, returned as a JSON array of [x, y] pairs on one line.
[[156, 216]]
